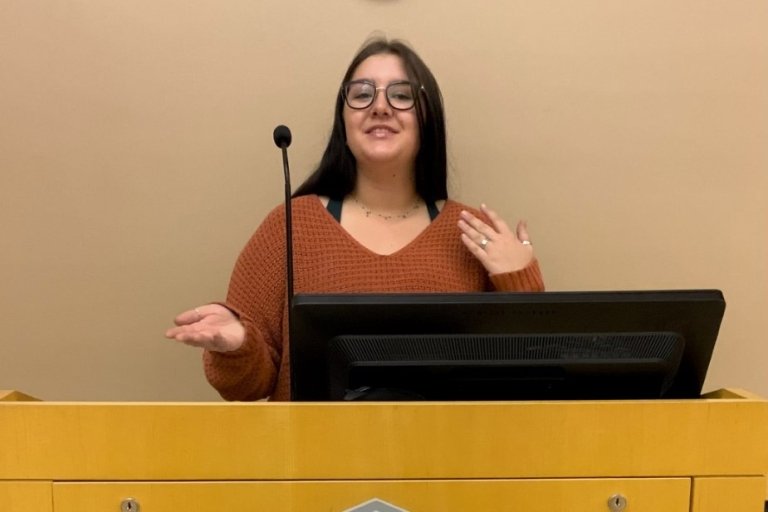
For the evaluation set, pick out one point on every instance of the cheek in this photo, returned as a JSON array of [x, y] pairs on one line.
[[413, 128], [351, 134], [345, 119], [350, 123]]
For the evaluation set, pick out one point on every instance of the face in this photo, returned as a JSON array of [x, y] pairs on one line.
[[380, 134]]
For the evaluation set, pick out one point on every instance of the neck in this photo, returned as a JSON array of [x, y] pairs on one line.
[[389, 198], [385, 201], [385, 189]]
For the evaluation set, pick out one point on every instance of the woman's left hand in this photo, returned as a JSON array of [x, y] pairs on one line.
[[498, 248]]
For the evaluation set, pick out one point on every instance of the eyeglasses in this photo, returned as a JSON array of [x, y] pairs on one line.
[[360, 94]]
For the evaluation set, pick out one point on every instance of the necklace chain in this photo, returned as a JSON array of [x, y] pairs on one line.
[[402, 215]]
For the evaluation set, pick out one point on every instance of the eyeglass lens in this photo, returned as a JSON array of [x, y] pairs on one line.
[[361, 95]]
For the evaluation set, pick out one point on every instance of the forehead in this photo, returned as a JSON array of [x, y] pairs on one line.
[[381, 68]]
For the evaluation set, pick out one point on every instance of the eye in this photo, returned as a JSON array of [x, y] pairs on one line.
[[360, 91], [401, 92], [401, 95], [360, 94]]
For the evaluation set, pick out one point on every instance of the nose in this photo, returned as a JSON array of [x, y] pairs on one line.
[[380, 104]]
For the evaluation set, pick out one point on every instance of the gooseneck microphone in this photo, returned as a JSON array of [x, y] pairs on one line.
[[282, 136]]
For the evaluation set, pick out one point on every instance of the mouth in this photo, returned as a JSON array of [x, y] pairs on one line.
[[380, 130]]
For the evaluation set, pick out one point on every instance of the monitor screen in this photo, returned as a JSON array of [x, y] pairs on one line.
[[503, 346]]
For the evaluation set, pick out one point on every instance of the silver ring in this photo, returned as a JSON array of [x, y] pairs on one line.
[[484, 242], [525, 242]]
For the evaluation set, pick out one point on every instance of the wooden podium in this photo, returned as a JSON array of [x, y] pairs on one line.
[[704, 455]]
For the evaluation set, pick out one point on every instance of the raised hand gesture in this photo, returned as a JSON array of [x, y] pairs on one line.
[[496, 246], [212, 327]]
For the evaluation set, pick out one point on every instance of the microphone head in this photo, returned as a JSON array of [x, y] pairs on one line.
[[282, 136]]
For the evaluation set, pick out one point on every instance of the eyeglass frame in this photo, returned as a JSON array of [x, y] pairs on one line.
[[376, 90]]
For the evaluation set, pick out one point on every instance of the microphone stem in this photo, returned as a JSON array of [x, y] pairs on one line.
[[288, 233]]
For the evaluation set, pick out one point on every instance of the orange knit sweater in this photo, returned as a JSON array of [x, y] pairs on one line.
[[328, 260]]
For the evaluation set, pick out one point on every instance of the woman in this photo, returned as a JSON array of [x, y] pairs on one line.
[[374, 217]]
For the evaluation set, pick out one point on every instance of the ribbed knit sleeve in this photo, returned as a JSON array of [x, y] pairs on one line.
[[257, 294], [528, 279]]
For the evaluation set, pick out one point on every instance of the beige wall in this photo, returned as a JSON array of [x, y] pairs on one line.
[[136, 158]]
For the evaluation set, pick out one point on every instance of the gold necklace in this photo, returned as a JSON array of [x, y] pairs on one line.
[[402, 215]]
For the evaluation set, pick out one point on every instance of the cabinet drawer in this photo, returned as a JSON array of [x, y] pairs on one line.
[[25, 496], [535, 495]]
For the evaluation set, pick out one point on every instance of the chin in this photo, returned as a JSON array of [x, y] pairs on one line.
[[383, 158], [383, 155]]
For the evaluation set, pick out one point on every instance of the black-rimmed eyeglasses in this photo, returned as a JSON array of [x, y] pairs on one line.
[[360, 94]]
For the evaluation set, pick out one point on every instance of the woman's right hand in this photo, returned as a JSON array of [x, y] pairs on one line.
[[212, 327]]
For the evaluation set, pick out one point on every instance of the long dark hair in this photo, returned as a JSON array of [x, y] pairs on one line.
[[336, 174]]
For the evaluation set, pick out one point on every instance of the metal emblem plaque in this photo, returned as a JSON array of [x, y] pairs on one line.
[[375, 505]]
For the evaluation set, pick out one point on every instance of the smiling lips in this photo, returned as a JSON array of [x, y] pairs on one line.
[[380, 130]]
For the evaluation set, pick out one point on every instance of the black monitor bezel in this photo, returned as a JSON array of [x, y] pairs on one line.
[[315, 318]]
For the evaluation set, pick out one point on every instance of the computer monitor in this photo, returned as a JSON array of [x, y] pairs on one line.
[[503, 346]]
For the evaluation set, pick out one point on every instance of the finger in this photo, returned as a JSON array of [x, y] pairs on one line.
[[190, 316], [476, 249], [196, 340], [475, 237], [189, 322], [482, 230], [180, 331], [192, 336], [470, 231], [522, 232], [497, 222]]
